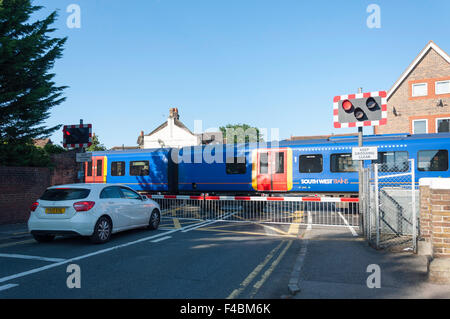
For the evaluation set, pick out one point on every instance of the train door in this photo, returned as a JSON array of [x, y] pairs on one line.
[[273, 169], [95, 171]]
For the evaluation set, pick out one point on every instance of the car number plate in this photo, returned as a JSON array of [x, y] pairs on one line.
[[55, 210]]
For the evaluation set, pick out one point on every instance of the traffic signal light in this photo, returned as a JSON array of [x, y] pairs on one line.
[[362, 109], [77, 135]]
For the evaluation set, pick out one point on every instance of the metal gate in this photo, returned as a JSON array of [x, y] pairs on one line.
[[282, 210], [390, 206]]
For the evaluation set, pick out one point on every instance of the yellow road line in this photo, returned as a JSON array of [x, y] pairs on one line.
[[269, 271], [295, 226], [254, 273], [231, 225], [176, 223], [242, 232], [274, 229]]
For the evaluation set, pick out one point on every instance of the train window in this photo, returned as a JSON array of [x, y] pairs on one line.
[[89, 169], [310, 163], [99, 167], [432, 160], [263, 163], [139, 168], [279, 163], [393, 161], [343, 163], [117, 168], [236, 165]]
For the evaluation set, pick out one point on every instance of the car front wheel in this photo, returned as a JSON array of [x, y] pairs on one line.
[[102, 231]]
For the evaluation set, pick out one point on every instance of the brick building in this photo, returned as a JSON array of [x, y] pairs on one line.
[[419, 101]]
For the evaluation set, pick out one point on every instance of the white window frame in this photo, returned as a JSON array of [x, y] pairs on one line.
[[435, 87], [416, 84], [441, 118], [418, 120]]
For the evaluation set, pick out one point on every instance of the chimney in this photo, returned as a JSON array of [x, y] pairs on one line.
[[173, 113]]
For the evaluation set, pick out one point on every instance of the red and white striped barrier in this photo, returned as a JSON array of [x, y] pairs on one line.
[[259, 198]]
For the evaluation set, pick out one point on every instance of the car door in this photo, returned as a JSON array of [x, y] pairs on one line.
[[137, 213], [116, 205]]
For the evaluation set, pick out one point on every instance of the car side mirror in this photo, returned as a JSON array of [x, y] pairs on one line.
[[144, 197]]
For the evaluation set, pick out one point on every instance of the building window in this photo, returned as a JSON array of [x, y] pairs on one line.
[[442, 87], [419, 89], [420, 126], [343, 163], [236, 165], [139, 168], [393, 161], [310, 163], [432, 160], [442, 125], [117, 168]]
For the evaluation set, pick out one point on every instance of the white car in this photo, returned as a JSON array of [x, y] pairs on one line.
[[94, 210]]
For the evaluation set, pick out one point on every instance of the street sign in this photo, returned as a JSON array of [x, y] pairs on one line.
[[364, 153], [84, 157]]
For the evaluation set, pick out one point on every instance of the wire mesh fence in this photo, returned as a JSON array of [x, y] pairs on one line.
[[390, 206]]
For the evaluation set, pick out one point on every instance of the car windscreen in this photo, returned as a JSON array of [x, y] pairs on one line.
[[56, 194]]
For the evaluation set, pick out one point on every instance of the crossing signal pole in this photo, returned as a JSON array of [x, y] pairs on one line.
[[359, 110], [78, 137]]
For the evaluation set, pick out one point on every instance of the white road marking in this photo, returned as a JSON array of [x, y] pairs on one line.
[[32, 257], [36, 270], [8, 286], [207, 223], [161, 239], [348, 225]]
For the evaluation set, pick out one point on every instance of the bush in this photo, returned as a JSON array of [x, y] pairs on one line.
[[26, 154]]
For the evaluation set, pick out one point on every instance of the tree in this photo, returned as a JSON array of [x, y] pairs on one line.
[[96, 146], [240, 133], [27, 89]]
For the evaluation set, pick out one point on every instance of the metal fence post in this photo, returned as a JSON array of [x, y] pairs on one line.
[[414, 212], [377, 207]]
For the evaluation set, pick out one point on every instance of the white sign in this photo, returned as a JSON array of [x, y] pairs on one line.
[[364, 153], [84, 157]]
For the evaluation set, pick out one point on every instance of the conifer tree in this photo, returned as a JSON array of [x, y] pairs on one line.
[[27, 89]]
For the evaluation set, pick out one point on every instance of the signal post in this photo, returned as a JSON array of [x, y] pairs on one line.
[[359, 110], [78, 136]]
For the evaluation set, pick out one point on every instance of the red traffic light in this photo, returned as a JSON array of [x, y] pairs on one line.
[[347, 105]]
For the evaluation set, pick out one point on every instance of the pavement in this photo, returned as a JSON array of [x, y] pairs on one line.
[[318, 263], [337, 264]]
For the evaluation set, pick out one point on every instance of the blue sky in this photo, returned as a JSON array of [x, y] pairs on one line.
[[270, 64]]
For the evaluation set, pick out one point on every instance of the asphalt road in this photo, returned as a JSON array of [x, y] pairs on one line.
[[219, 260]]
